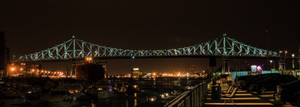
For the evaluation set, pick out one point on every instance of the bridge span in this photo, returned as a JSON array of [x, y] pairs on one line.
[[78, 49]]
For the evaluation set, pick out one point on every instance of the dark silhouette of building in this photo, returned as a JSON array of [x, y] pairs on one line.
[[2, 54], [7, 58], [90, 72]]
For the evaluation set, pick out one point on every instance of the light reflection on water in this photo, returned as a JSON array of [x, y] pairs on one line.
[[93, 105], [135, 102], [121, 98], [107, 93]]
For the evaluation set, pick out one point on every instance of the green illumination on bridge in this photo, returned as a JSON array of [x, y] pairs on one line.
[[79, 49]]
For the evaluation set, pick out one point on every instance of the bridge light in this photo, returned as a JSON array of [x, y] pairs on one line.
[[132, 57]]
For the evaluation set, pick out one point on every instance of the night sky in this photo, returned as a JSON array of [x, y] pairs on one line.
[[32, 25]]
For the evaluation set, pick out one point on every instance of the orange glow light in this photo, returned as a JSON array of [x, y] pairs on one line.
[[12, 69]]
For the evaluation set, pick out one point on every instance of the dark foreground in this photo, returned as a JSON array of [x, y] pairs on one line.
[[43, 92]]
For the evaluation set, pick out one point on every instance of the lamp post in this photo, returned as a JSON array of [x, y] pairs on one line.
[[282, 61], [271, 63], [293, 62]]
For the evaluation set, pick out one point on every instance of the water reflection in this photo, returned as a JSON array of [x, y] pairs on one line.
[[140, 93], [135, 102], [106, 93]]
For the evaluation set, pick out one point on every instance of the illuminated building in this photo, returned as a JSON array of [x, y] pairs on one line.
[[136, 73]]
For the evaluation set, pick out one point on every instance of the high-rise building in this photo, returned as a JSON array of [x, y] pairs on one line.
[[2, 55]]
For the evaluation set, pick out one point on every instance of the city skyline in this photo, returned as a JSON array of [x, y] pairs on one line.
[[149, 53]]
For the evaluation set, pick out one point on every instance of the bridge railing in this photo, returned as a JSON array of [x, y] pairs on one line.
[[195, 97]]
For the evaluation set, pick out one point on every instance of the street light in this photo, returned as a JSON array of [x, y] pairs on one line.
[[293, 62], [286, 52], [271, 63], [21, 69], [12, 69]]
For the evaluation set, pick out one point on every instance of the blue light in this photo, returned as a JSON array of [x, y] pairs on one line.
[[132, 57]]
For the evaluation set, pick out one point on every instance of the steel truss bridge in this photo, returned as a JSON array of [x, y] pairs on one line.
[[79, 49]]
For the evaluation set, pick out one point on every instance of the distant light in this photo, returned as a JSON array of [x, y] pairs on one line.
[[29, 92], [152, 99], [135, 94], [136, 69], [110, 90], [93, 105], [167, 94], [227, 73], [285, 52], [271, 61], [71, 91], [132, 57], [259, 68], [12, 69], [293, 55], [23, 64], [189, 87], [154, 75], [253, 68], [89, 59]]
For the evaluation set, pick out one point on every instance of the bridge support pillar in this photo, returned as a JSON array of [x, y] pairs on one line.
[[225, 67]]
